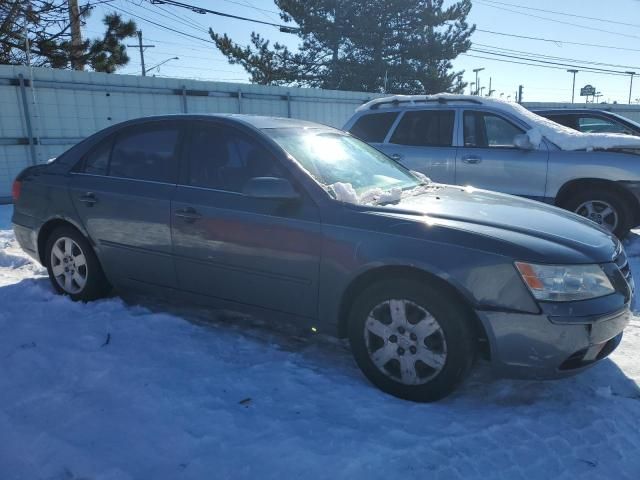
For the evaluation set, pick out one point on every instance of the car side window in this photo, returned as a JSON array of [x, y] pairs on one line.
[[425, 128], [223, 158], [96, 161], [601, 125], [148, 152], [486, 130], [373, 127]]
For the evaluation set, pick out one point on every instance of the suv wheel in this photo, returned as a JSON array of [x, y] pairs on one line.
[[73, 267], [606, 208], [411, 340]]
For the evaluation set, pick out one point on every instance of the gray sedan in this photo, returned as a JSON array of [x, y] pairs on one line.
[[299, 222]]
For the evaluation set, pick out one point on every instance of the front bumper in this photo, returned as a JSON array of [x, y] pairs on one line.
[[532, 346]]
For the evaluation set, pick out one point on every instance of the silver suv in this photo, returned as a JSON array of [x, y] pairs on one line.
[[487, 144]]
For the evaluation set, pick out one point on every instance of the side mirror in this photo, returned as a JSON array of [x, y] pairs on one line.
[[522, 142], [270, 188]]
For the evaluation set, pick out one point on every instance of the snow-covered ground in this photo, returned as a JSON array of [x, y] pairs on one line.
[[109, 390]]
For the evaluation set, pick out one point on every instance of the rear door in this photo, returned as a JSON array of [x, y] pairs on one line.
[[260, 252], [422, 140], [122, 190], [488, 159]]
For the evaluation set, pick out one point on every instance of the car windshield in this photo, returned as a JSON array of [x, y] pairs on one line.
[[338, 161]]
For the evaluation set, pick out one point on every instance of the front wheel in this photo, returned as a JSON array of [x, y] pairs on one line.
[[73, 267], [411, 340], [606, 208]]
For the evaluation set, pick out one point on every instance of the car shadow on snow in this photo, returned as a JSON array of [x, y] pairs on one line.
[[323, 353], [331, 357]]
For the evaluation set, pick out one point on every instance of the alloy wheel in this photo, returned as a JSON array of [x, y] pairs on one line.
[[600, 212], [69, 265]]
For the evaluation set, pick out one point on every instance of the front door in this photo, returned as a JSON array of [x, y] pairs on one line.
[[260, 252], [488, 158], [122, 191]]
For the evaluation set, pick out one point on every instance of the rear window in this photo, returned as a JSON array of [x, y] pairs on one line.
[[374, 126], [425, 128], [146, 153]]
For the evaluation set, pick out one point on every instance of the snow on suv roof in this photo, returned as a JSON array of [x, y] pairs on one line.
[[565, 138]]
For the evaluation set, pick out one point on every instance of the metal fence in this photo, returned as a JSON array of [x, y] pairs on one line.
[[45, 111]]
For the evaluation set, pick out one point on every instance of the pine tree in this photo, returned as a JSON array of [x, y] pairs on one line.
[[399, 46], [47, 27]]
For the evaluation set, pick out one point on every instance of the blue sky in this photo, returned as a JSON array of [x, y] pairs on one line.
[[201, 60]]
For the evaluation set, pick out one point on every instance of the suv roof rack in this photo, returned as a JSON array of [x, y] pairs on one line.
[[426, 99]]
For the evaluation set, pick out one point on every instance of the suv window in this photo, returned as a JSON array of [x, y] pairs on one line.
[[223, 158], [601, 125], [146, 153], [482, 129], [373, 127], [425, 128]]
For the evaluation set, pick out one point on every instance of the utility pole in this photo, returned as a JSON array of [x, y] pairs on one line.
[[520, 88], [141, 47], [573, 90], [476, 70], [490, 91], [76, 35], [631, 84]]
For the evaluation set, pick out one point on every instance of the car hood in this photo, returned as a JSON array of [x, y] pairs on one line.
[[516, 220]]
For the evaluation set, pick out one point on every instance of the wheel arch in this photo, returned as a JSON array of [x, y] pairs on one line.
[[371, 276], [574, 186], [49, 226]]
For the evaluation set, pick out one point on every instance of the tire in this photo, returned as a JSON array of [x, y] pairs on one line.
[[436, 324], [73, 267], [600, 200]]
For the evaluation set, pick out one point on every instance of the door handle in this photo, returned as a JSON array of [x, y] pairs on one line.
[[187, 214], [396, 156], [471, 159], [89, 199]]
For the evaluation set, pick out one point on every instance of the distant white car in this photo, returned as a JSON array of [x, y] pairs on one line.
[[497, 145]]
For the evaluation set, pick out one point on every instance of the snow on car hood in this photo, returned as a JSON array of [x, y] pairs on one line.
[[565, 138]]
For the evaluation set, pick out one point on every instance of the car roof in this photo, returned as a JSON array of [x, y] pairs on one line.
[[568, 111], [256, 121]]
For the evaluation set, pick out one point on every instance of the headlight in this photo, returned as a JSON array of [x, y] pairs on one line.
[[565, 283]]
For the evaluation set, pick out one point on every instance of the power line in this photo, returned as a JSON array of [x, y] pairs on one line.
[[537, 64], [503, 9], [557, 42], [548, 62], [573, 15], [193, 8], [551, 57]]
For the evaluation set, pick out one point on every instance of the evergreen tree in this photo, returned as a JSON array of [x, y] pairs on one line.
[[398, 46], [47, 28]]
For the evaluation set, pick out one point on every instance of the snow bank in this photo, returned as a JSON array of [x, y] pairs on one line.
[[565, 138], [188, 396]]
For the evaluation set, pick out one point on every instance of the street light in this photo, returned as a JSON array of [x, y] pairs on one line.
[[573, 90], [471, 88], [162, 63], [476, 70], [482, 90], [631, 84]]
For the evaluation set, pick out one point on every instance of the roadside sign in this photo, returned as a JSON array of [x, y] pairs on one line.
[[587, 91]]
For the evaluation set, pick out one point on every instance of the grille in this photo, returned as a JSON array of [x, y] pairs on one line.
[[623, 264]]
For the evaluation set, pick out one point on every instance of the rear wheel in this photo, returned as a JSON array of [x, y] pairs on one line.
[[411, 340], [607, 208], [73, 267]]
